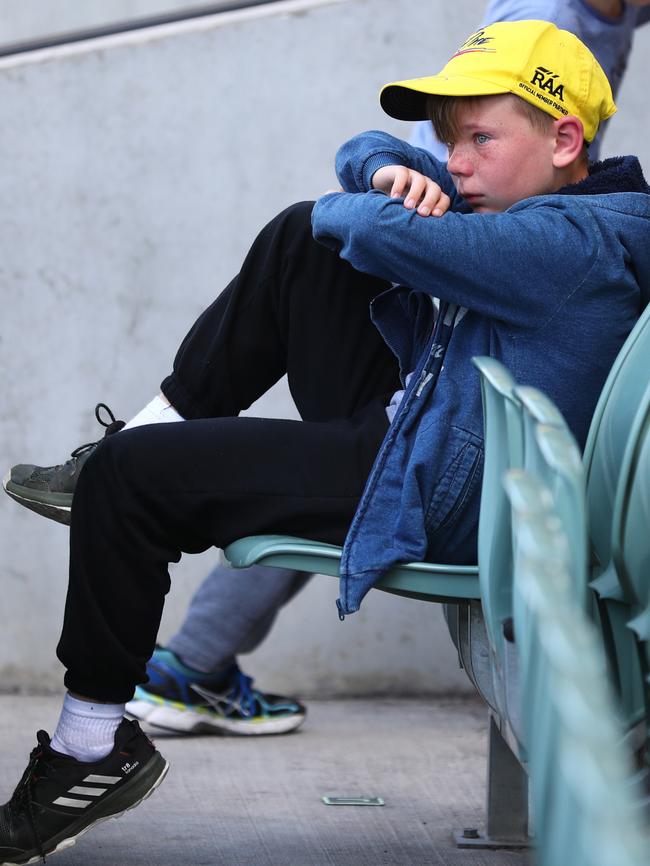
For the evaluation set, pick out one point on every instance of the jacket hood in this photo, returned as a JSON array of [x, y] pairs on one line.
[[619, 174], [619, 185]]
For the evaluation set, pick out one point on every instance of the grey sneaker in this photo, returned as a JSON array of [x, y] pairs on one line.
[[48, 490]]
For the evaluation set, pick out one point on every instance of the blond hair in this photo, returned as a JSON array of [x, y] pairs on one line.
[[443, 113]]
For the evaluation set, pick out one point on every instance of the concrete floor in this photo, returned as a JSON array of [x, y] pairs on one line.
[[243, 802]]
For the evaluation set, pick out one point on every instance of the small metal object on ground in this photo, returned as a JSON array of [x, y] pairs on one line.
[[353, 801]]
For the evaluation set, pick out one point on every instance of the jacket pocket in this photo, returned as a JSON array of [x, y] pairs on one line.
[[457, 482]]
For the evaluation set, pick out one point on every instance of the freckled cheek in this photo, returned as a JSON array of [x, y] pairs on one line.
[[477, 162]]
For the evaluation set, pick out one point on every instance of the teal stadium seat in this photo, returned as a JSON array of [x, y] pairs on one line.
[[559, 467], [530, 499], [423, 580], [603, 455], [631, 522], [504, 446], [603, 458], [503, 450], [586, 800], [631, 542], [475, 633], [555, 455], [537, 409]]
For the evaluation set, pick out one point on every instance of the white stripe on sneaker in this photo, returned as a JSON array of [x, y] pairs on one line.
[[103, 780], [88, 792], [77, 804]]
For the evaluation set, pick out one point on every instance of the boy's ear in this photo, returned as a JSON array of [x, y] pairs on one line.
[[569, 141]]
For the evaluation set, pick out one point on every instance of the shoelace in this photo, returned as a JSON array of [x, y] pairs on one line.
[[22, 797], [239, 698], [112, 426], [244, 696]]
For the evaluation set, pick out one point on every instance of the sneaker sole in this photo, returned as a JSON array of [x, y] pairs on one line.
[[142, 785], [58, 511], [191, 722]]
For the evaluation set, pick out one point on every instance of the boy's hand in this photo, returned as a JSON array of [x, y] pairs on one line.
[[418, 191]]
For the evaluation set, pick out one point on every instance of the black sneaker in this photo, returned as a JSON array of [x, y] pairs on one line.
[[59, 798], [48, 490]]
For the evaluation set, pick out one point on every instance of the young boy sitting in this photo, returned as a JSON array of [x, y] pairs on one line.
[[517, 249]]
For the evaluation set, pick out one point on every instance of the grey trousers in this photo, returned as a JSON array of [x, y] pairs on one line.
[[231, 613]]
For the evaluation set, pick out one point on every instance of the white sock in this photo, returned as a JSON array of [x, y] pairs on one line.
[[156, 411], [86, 730]]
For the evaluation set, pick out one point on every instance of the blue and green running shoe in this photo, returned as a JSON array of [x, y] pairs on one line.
[[180, 699]]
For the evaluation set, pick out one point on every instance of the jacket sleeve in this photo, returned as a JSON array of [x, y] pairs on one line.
[[358, 159], [518, 266]]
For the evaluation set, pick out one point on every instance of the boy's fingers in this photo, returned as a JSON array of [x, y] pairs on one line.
[[419, 192], [444, 203], [435, 202], [400, 182], [417, 188], [429, 199]]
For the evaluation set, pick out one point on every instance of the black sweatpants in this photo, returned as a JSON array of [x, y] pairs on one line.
[[149, 494]]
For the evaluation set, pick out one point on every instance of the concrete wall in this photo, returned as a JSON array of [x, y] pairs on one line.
[[135, 171], [23, 20]]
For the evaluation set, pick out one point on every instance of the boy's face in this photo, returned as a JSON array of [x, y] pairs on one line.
[[499, 158]]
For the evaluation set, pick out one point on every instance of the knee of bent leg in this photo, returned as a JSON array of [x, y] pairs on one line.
[[300, 210], [109, 467], [297, 217]]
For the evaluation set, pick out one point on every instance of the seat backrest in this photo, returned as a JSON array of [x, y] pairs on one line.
[[631, 522], [584, 795], [541, 591], [552, 454], [537, 409], [559, 466], [609, 429], [503, 450], [595, 800], [537, 538]]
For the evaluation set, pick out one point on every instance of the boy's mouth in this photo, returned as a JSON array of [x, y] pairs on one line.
[[472, 197]]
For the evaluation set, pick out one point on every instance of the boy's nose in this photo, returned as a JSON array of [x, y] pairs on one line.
[[458, 163]]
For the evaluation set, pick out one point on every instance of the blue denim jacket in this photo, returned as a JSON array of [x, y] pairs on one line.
[[551, 288]]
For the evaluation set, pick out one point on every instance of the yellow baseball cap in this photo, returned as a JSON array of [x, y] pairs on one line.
[[550, 68]]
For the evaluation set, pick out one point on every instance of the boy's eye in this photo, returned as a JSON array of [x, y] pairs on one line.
[[481, 138]]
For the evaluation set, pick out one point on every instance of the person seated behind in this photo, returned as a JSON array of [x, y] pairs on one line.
[[605, 26], [536, 258]]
